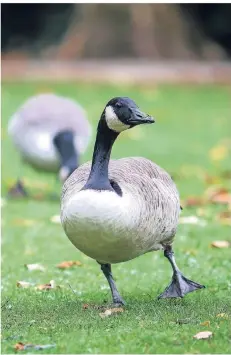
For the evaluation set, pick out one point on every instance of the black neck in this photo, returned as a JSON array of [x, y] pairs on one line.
[[64, 142], [98, 178]]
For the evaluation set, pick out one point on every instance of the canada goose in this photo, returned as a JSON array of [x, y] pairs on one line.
[[116, 210], [50, 132]]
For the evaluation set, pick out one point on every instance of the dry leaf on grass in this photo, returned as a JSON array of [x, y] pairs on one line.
[[219, 195], [110, 312], [220, 244], [32, 267], [212, 180], [192, 220], [203, 335], [224, 217], [68, 264], [55, 219], [223, 315], [24, 284], [85, 306], [22, 346], [193, 201], [206, 323], [48, 286], [219, 152], [24, 222]]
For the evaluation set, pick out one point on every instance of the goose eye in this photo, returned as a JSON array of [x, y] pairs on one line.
[[118, 105]]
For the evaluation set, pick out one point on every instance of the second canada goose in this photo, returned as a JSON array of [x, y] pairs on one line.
[[117, 210], [50, 132]]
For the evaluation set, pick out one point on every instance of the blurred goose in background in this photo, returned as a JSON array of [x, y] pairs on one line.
[[116, 210], [50, 132]]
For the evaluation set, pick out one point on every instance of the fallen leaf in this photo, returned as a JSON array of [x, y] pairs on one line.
[[48, 286], [222, 315], [32, 267], [39, 196], [224, 217], [21, 346], [68, 264], [206, 323], [221, 244], [111, 311], [203, 335], [192, 220], [212, 180], [219, 152], [193, 201], [85, 306], [23, 222], [55, 219], [24, 284], [218, 195]]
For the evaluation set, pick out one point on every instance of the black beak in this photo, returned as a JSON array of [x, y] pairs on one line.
[[140, 117]]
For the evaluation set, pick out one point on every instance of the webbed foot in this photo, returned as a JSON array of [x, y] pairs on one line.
[[180, 286]]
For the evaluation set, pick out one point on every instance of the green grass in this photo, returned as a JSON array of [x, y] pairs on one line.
[[190, 121]]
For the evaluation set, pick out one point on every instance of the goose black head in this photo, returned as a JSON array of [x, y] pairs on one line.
[[122, 113]]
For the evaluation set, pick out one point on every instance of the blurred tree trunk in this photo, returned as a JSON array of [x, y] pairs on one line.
[[74, 41], [142, 31], [156, 31]]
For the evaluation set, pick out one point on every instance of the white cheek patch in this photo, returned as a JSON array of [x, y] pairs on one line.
[[113, 122]]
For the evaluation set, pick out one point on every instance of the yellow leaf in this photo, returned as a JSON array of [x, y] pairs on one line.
[[220, 152], [68, 264], [55, 219], [47, 286], [206, 323], [220, 244], [223, 315], [110, 312]]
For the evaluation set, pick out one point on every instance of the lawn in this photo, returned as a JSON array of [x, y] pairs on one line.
[[190, 123]]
